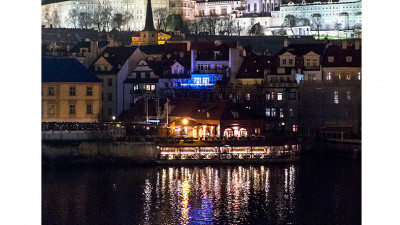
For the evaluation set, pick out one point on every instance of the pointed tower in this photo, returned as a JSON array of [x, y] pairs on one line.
[[149, 35]]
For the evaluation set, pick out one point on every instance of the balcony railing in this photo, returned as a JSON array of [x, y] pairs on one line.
[[211, 71]]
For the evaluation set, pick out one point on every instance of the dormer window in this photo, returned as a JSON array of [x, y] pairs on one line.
[[349, 58], [208, 115], [235, 115], [331, 58], [105, 55]]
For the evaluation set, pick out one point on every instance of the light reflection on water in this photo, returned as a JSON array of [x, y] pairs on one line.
[[257, 194], [215, 194]]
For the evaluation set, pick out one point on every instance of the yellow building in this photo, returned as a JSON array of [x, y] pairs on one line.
[[162, 38], [70, 92]]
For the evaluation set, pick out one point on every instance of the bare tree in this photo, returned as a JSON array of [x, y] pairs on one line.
[[256, 29], [211, 22], [337, 27], [106, 15], [46, 17], [238, 28], [317, 22], [72, 17], [160, 15], [84, 20], [56, 19], [97, 18], [290, 21], [128, 16]]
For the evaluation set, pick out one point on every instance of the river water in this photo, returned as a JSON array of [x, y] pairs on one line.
[[315, 190]]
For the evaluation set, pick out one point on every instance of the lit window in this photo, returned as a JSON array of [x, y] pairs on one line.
[[348, 77], [72, 91], [359, 75], [72, 108], [89, 109], [295, 128], [273, 112], [135, 87], [272, 96], [279, 96], [268, 112], [281, 112], [50, 91], [89, 91], [153, 87], [50, 108], [148, 87], [268, 96], [336, 97], [197, 80], [206, 80], [348, 95], [328, 76], [247, 96]]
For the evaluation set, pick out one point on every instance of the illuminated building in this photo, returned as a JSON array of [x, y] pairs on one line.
[[70, 92], [62, 7], [346, 13], [149, 35], [211, 62], [194, 118]]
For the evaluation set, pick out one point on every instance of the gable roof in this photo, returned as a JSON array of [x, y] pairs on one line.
[[116, 56], [339, 55], [152, 49], [66, 70], [252, 63], [303, 49]]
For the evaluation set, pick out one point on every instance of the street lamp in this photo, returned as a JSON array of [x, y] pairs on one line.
[[113, 118], [185, 121]]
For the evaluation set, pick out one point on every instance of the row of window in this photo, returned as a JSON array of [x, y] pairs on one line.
[[340, 77], [72, 91], [51, 108], [271, 112]]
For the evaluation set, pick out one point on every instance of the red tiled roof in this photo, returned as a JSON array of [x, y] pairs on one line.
[[340, 54]]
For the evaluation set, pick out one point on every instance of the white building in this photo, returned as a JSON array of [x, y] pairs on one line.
[[137, 8], [262, 6], [217, 7], [345, 14]]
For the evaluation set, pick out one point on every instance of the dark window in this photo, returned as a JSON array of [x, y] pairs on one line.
[[72, 108], [89, 109], [89, 91], [292, 95], [109, 97], [51, 91], [72, 91], [110, 82]]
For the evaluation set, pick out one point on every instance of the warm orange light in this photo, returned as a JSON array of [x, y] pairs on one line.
[[185, 121]]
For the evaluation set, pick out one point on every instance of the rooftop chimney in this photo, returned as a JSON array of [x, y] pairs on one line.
[[357, 44], [344, 44], [286, 43]]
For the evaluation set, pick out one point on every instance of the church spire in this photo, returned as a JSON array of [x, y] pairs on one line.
[[149, 25]]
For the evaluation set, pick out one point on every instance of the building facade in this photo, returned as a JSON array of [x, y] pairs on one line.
[[70, 92], [135, 9]]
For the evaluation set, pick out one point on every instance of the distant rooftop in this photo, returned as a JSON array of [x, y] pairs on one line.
[[66, 70]]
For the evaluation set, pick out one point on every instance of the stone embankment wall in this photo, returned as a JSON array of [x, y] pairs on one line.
[[84, 153]]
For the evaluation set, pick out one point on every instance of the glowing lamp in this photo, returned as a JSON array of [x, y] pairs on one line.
[[185, 121]]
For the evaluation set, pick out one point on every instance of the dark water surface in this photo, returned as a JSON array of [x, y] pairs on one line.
[[316, 190]]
